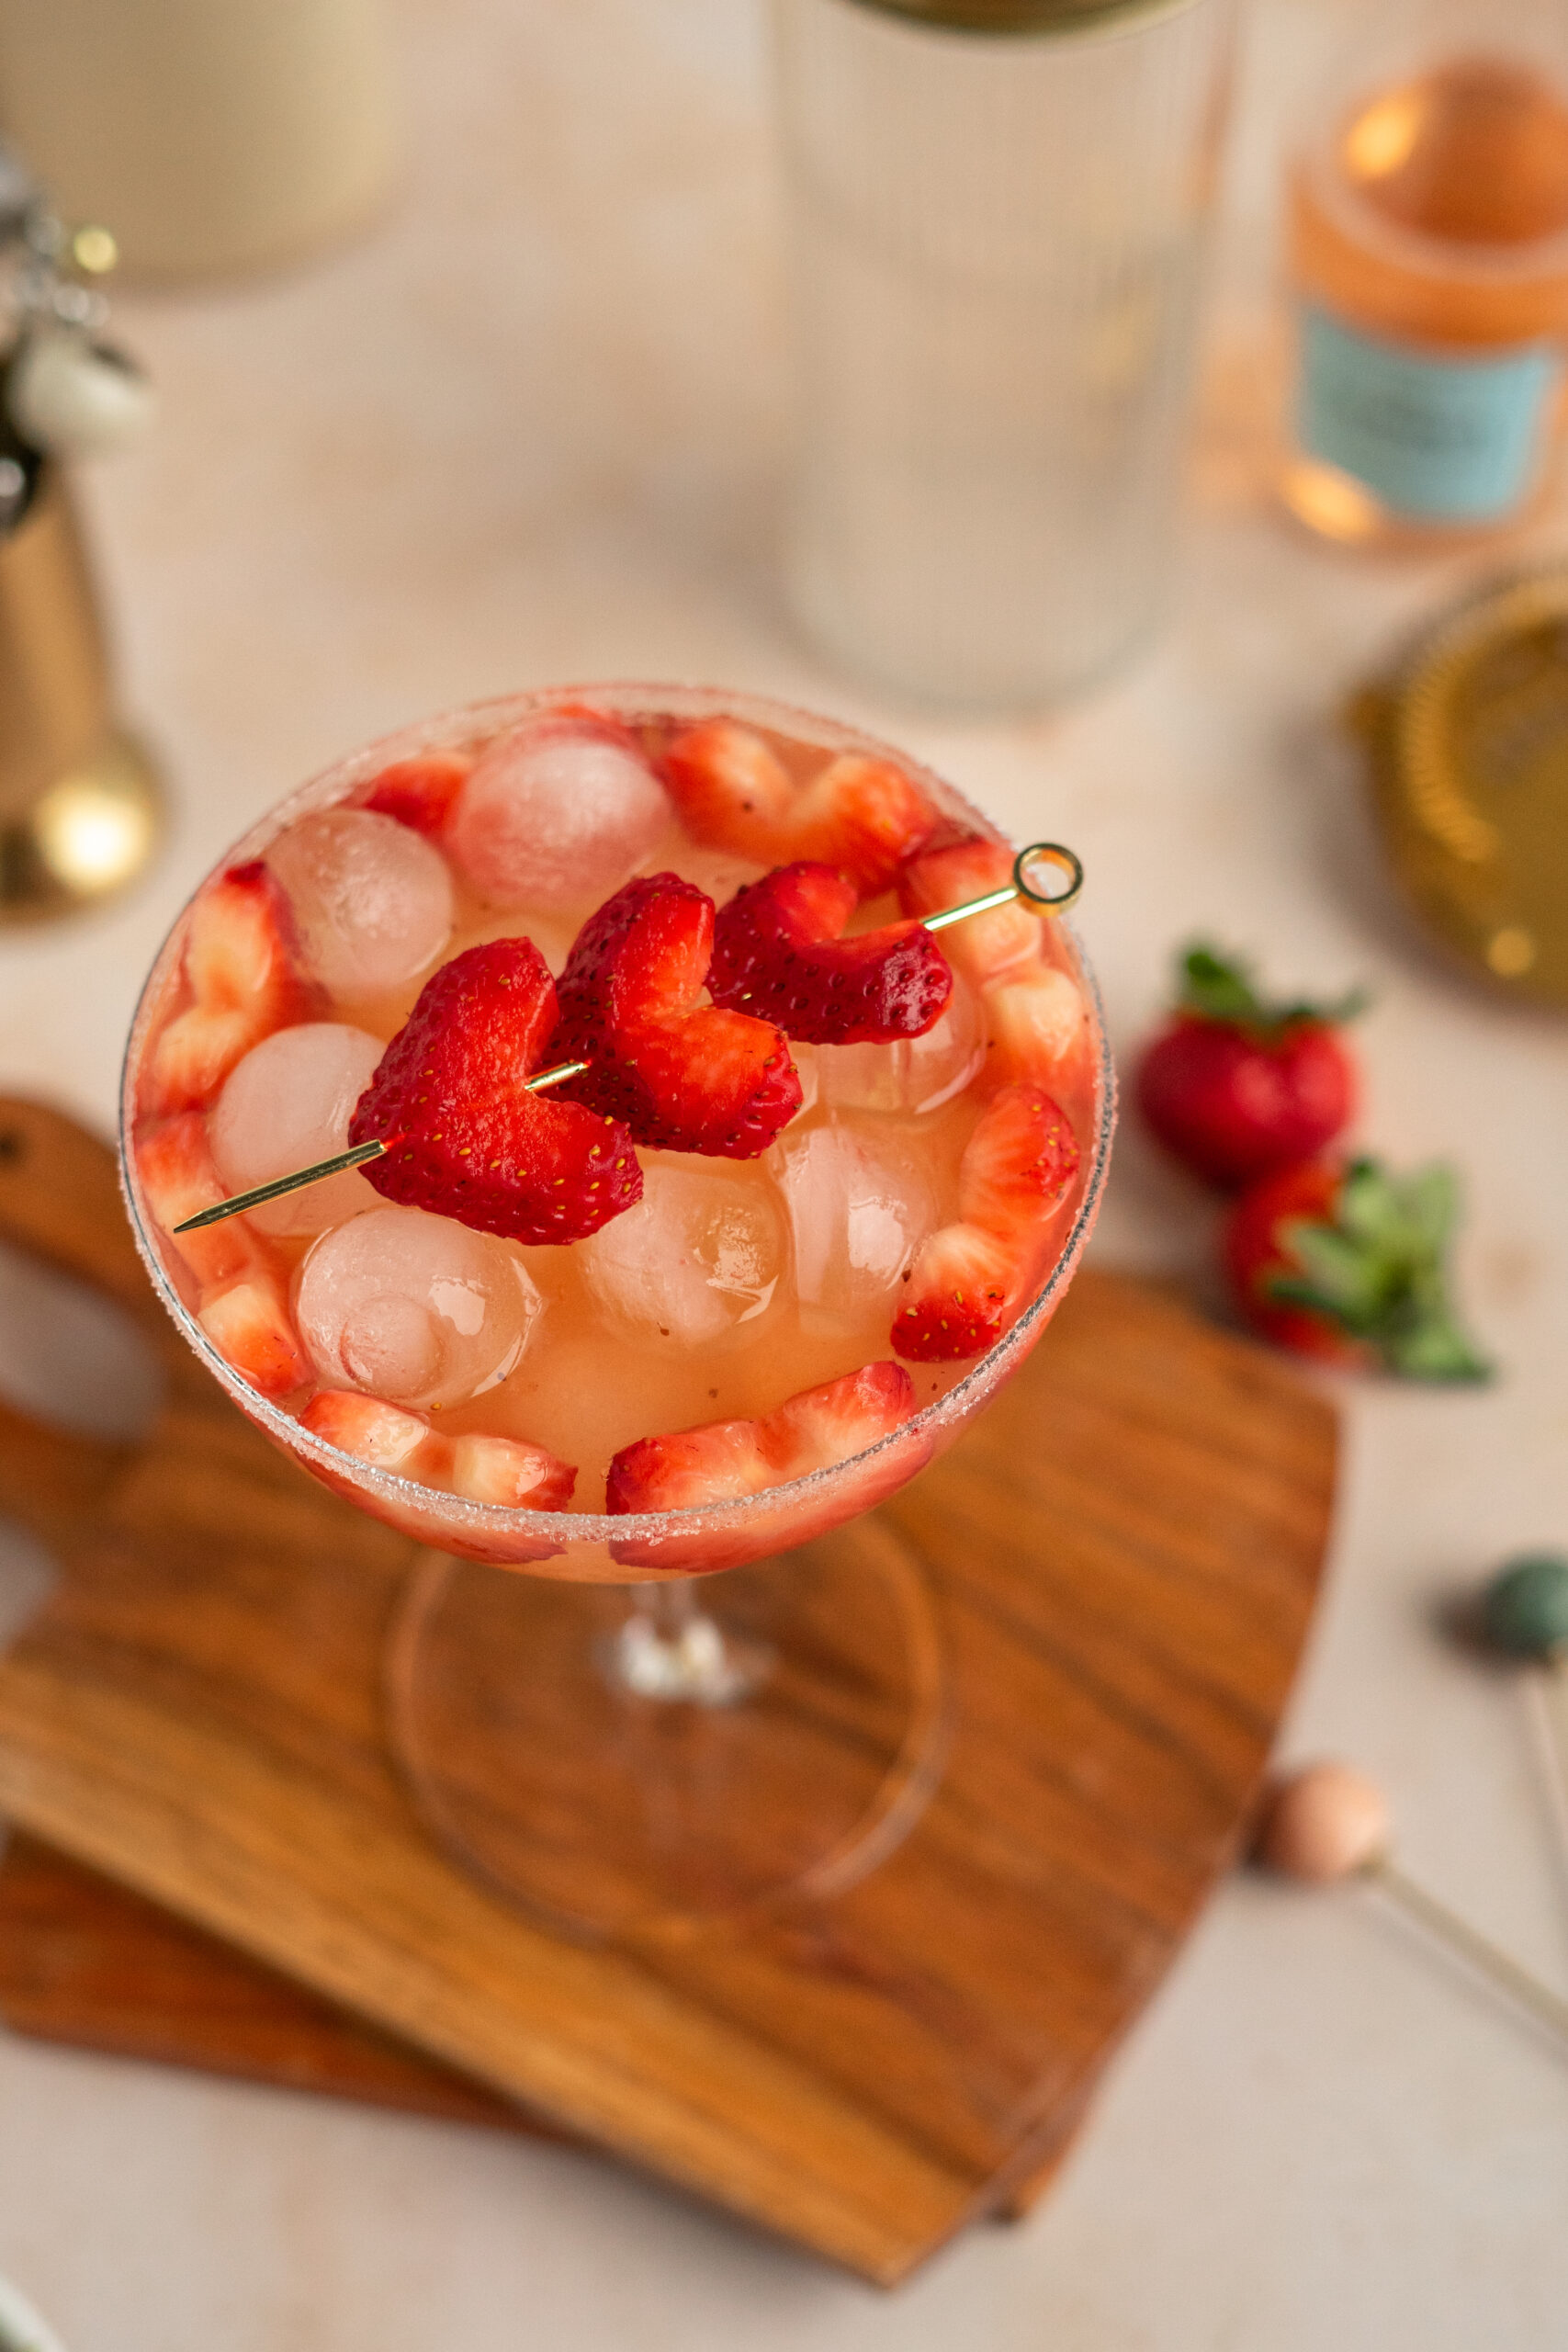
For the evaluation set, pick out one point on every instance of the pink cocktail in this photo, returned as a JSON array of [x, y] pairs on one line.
[[794, 1255]]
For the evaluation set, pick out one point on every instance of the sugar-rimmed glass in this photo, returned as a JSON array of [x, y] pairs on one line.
[[660, 1766]]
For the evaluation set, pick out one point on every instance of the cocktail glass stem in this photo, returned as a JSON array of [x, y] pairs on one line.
[[668, 1647]]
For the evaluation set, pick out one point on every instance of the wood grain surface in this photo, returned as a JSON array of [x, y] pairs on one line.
[[1127, 1545]]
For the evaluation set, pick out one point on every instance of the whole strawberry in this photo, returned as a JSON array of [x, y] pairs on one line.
[[1234, 1086], [1349, 1264]]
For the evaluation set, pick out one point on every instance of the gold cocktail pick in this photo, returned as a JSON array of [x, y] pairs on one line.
[[361, 1153], [1049, 902]]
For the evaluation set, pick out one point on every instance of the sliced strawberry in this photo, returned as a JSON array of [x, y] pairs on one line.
[[485, 1469], [1036, 1024], [368, 1427], [682, 1076], [243, 983], [471, 1141], [777, 952], [179, 1178], [821, 1426], [959, 1286], [984, 946], [506, 1470], [725, 1460], [1017, 1164], [249, 1326], [242, 1305], [863, 816], [419, 792], [1017, 1169]]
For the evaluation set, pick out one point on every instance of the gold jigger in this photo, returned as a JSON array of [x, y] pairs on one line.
[[80, 806]]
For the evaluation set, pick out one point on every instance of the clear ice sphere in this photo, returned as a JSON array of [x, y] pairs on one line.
[[860, 1205], [556, 815], [286, 1104], [697, 1258], [372, 899], [413, 1307], [910, 1074]]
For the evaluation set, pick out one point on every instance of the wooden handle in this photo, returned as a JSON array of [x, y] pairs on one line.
[[60, 1202]]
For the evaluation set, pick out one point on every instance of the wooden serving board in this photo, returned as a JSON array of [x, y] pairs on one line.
[[1127, 1545], [83, 1960]]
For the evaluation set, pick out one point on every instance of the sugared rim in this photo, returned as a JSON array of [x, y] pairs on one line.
[[554, 1531]]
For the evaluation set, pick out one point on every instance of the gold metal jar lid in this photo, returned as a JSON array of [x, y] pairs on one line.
[[1021, 15], [1469, 743]]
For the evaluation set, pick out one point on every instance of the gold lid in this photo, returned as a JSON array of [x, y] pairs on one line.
[[1020, 16], [1470, 764]]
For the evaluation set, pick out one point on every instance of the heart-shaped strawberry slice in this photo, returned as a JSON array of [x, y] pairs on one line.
[[777, 952], [682, 1075], [468, 1138]]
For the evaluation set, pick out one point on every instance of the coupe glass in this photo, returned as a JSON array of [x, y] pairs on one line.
[[658, 1758]]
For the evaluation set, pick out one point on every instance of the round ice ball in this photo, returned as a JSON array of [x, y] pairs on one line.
[[910, 1074], [860, 1206], [288, 1105], [699, 1256], [413, 1307], [372, 901], [557, 814]]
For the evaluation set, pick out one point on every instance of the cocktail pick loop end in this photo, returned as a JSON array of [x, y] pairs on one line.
[[1049, 902]]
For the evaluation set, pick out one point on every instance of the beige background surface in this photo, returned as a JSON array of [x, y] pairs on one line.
[[527, 429]]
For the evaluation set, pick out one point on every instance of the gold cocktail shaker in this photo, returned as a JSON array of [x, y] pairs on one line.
[[79, 798]]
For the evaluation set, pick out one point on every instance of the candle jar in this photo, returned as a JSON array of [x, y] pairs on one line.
[[213, 136], [998, 212], [1428, 249]]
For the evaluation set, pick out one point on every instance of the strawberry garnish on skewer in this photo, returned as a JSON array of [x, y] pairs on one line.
[[463, 1134], [1017, 1170], [777, 952], [862, 815], [682, 1076]]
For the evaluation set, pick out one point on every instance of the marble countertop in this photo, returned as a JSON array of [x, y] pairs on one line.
[[526, 429]]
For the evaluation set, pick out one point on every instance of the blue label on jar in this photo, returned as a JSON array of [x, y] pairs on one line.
[[1444, 439]]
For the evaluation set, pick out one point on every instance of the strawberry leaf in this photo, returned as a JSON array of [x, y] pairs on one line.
[[1222, 988], [1379, 1271]]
